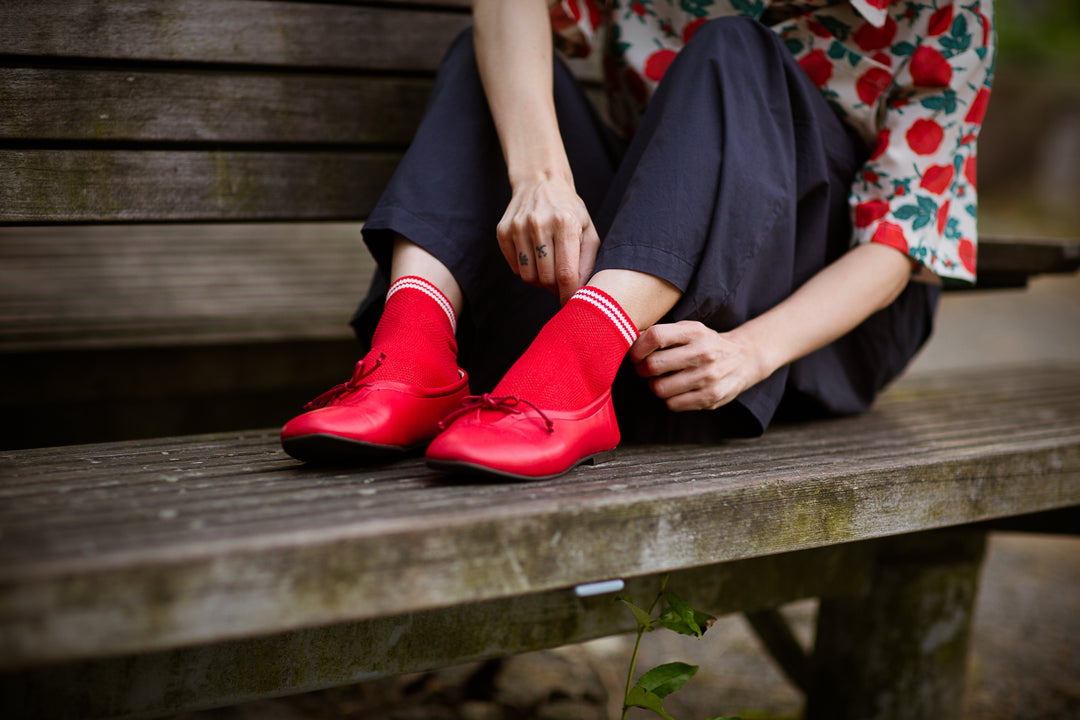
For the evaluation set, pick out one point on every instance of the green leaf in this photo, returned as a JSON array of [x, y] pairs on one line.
[[681, 618], [642, 698], [837, 51], [903, 48], [642, 617], [665, 679], [794, 45], [906, 212]]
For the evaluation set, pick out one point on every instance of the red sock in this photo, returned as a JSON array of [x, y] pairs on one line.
[[416, 336], [576, 355]]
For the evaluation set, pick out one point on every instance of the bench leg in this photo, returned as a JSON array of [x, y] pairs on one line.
[[899, 653]]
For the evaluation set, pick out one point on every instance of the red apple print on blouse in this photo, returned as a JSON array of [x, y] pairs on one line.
[[890, 234], [882, 144], [971, 171], [943, 217], [657, 64], [929, 68], [818, 29], [967, 254], [882, 58], [940, 21], [977, 111], [914, 88], [818, 66], [937, 178], [867, 213], [871, 38], [924, 137], [872, 83]]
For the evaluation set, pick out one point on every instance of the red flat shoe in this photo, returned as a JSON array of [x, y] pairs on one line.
[[512, 438], [358, 421]]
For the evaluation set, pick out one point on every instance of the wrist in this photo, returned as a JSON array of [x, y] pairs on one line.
[[764, 355], [540, 170]]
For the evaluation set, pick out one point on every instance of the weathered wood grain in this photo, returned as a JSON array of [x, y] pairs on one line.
[[94, 106], [183, 284], [189, 678], [128, 185], [133, 547], [247, 32]]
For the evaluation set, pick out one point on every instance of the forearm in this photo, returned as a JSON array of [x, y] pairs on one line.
[[828, 306], [514, 54]]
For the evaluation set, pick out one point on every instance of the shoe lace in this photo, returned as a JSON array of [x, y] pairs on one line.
[[506, 403], [354, 383]]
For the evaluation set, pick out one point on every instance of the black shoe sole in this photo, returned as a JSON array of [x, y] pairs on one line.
[[334, 450], [456, 467]]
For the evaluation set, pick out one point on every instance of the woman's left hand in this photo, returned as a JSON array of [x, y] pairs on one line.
[[692, 367]]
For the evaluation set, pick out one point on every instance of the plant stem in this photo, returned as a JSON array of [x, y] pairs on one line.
[[630, 674], [633, 656]]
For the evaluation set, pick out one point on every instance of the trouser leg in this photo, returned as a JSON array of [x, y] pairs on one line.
[[450, 191]]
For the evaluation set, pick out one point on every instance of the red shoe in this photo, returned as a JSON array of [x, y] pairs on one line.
[[510, 437], [370, 421]]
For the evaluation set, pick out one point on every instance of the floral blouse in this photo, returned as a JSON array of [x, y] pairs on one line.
[[912, 78]]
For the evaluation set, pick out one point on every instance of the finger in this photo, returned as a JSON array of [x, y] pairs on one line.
[[568, 254], [666, 387], [696, 400], [525, 257], [590, 246], [656, 337], [664, 361], [545, 250], [505, 237]]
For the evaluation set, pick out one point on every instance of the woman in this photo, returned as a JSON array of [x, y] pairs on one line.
[[767, 237]]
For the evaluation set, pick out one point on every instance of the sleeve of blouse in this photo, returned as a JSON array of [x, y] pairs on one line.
[[917, 192], [575, 24]]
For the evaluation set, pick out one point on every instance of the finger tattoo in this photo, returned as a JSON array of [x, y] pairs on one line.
[[541, 251], [523, 259]]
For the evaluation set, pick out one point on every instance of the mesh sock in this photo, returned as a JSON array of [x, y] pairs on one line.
[[576, 355], [416, 335]]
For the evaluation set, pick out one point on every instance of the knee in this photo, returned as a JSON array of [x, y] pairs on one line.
[[730, 35], [461, 49]]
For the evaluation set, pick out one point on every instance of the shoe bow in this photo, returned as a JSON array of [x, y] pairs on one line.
[[354, 383], [506, 403]]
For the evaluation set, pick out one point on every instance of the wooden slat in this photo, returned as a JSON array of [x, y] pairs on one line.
[[1010, 262], [125, 185], [65, 288], [136, 106], [249, 32], [192, 678], [133, 547]]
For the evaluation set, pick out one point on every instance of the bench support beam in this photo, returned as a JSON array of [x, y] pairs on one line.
[[899, 652]]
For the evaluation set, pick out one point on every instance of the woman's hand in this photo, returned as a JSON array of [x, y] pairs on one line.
[[692, 367], [547, 236]]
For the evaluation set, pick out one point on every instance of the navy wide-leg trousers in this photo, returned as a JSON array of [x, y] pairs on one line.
[[734, 189]]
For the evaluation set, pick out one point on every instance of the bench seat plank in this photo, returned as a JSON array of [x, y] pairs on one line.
[[242, 32], [136, 106], [95, 186], [132, 547]]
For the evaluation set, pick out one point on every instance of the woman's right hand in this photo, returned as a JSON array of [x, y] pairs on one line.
[[547, 236]]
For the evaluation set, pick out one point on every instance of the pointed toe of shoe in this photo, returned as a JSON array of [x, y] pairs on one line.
[[524, 443], [379, 420]]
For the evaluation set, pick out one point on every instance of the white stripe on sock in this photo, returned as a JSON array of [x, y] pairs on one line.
[[417, 283], [611, 310]]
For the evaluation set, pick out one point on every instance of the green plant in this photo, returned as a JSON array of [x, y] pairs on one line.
[[652, 687]]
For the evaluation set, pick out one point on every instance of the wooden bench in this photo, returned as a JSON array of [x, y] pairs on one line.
[[181, 187], [152, 576]]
